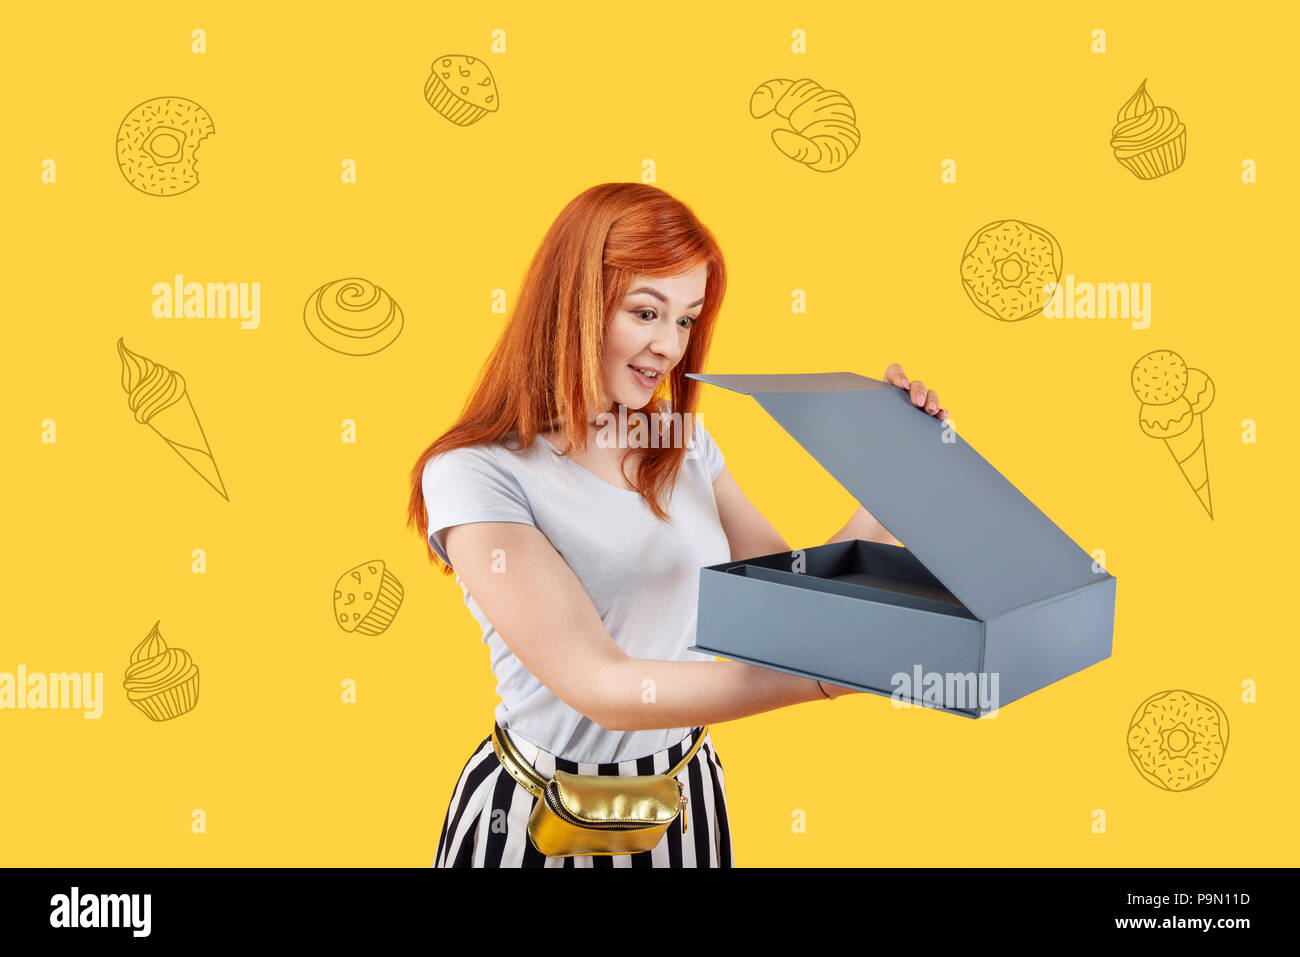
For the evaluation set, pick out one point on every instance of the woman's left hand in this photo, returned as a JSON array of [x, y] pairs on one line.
[[927, 399]]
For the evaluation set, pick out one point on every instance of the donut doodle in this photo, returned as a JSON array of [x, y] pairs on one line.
[[162, 682], [461, 88], [158, 142], [1148, 140], [1007, 266], [353, 316], [1173, 398], [159, 399], [823, 130], [1177, 739], [366, 599]]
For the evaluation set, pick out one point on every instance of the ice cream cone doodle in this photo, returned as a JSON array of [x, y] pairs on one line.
[[1177, 739], [1173, 398], [1007, 268], [158, 142], [162, 682], [366, 599], [823, 131], [353, 316], [158, 399], [461, 88], [1148, 140]]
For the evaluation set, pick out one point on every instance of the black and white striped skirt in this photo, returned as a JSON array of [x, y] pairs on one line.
[[487, 819]]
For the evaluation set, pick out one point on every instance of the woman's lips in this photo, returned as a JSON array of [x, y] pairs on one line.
[[645, 383]]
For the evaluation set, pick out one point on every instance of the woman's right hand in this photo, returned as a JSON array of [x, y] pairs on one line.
[[547, 619]]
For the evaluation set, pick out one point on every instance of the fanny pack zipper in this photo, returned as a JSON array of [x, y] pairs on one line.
[[552, 797]]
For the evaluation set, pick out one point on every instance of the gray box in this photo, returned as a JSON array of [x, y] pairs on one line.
[[987, 601]]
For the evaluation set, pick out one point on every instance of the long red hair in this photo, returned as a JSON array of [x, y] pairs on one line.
[[545, 369]]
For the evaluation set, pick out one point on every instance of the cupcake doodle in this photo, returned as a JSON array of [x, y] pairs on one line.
[[1007, 267], [158, 142], [366, 599], [1173, 398], [1177, 739], [353, 316], [461, 88], [162, 682], [823, 127], [1148, 140], [158, 398]]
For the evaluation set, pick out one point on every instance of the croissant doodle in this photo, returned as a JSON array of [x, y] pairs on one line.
[[823, 130]]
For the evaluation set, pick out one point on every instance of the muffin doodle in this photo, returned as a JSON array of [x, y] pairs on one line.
[[162, 682], [158, 142], [158, 399], [353, 316], [1007, 267], [366, 599], [1177, 739], [823, 131], [1148, 140], [461, 88], [1173, 398]]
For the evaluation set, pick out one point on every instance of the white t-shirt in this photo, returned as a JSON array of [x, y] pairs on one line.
[[642, 574]]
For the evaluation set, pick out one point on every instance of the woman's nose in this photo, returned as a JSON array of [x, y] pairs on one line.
[[667, 342]]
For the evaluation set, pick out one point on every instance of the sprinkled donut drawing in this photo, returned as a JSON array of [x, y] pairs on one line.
[[1177, 739]]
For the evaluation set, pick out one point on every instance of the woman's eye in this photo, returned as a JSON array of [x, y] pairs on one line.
[[647, 311]]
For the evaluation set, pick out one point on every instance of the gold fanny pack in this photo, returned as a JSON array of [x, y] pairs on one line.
[[597, 813]]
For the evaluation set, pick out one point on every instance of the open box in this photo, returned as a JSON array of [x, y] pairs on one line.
[[987, 601]]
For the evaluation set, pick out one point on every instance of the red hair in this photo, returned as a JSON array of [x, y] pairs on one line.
[[545, 369]]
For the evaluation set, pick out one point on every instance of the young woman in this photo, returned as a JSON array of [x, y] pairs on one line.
[[579, 557]]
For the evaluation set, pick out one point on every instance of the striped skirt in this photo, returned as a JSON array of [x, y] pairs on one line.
[[487, 819]]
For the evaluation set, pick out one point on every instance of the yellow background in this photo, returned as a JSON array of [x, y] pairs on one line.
[[100, 526]]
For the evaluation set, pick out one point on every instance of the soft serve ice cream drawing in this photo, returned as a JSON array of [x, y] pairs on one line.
[[158, 399]]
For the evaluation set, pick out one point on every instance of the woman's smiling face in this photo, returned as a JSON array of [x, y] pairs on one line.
[[649, 331]]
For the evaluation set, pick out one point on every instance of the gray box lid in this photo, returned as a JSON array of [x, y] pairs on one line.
[[976, 532]]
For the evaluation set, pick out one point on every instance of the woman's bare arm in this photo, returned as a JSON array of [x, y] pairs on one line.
[[751, 535], [545, 616], [863, 525]]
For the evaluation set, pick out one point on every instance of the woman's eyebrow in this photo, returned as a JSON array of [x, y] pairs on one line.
[[661, 297]]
